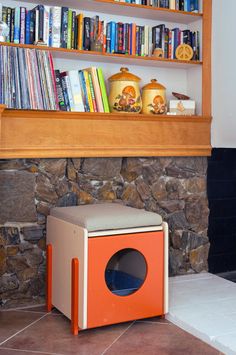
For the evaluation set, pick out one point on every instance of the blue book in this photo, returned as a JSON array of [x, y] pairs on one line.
[[84, 91], [187, 5], [116, 38], [17, 25], [113, 36], [27, 28], [108, 42]]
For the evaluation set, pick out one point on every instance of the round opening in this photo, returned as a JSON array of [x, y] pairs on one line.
[[125, 272]]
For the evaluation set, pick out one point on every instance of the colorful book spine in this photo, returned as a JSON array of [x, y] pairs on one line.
[[22, 24], [95, 109], [88, 90], [16, 25], [69, 37], [103, 90], [64, 26], [76, 91]]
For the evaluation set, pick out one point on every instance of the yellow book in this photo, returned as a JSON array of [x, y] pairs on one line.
[[88, 90]]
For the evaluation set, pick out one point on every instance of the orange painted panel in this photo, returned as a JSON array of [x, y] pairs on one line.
[[104, 307]]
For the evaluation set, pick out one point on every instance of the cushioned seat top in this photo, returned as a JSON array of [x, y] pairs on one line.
[[106, 216]]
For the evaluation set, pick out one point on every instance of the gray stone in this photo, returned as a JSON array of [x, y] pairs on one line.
[[176, 172], [25, 246], [178, 220], [62, 187], [176, 262], [8, 283], [45, 191], [131, 169], [34, 257], [27, 274], [172, 205], [102, 168], [52, 167], [152, 173], [196, 185], [9, 236], [197, 212], [43, 208], [32, 233], [69, 199], [12, 164], [175, 189], [17, 197]]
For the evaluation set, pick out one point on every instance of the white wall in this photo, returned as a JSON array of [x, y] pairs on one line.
[[224, 74]]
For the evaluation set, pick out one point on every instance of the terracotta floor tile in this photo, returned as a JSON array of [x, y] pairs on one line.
[[52, 334], [13, 321], [158, 339], [17, 352]]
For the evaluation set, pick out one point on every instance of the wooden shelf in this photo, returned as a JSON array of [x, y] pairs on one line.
[[125, 9], [112, 58], [47, 134]]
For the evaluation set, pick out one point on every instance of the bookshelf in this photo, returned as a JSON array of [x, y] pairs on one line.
[[27, 134]]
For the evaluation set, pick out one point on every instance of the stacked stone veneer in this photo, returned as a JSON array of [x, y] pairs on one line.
[[172, 187]]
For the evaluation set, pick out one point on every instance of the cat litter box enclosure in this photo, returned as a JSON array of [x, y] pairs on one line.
[[123, 263]]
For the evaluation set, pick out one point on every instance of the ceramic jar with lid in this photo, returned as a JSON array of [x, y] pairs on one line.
[[154, 98], [124, 96]]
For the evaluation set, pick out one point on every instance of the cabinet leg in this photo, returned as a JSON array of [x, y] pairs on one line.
[[49, 278], [75, 296]]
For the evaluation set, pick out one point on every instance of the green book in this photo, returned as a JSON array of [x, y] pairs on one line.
[[103, 90], [69, 39]]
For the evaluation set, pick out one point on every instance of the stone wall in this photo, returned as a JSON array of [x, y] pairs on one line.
[[172, 187]]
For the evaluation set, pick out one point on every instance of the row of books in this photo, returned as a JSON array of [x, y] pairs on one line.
[[62, 27], [182, 5], [28, 81], [82, 90]]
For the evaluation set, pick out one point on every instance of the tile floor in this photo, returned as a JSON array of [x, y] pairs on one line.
[[205, 306], [31, 331]]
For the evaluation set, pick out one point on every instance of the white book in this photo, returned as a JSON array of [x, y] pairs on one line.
[[78, 105], [172, 4], [36, 26], [69, 91], [0, 12], [56, 26], [46, 25]]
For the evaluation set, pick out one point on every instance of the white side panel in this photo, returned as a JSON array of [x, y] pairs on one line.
[[124, 231], [166, 267], [68, 241]]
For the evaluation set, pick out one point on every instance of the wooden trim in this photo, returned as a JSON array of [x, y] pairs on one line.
[[49, 278], [206, 68], [28, 134], [139, 60], [75, 296], [150, 8]]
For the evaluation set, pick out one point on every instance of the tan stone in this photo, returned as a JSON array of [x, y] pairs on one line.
[[131, 169], [106, 193], [55, 167], [12, 250], [85, 197], [3, 256], [45, 191], [42, 244], [27, 274], [198, 258], [196, 185], [143, 189], [131, 197], [159, 190], [71, 171]]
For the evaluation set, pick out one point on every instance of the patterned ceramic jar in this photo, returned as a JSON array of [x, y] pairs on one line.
[[154, 98], [124, 94]]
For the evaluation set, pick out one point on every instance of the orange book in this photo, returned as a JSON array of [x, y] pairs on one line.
[[133, 38], [80, 18]]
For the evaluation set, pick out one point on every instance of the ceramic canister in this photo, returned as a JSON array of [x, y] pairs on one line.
[[154, 98], [124, 96]]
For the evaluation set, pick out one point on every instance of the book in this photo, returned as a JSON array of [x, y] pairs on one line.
[[55, 26], [88, 91], [76, 91], [103, 90], [96, 87]]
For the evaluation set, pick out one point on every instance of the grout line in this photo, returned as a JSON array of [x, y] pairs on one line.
[[22, 308], [147, 321], [12, 336], [118, 338], [29, 351]]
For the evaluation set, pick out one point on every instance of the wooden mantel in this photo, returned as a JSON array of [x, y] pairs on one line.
[[50, 134]]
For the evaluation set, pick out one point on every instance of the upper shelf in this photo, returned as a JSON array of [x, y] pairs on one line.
[[126, 9], [112, 58]]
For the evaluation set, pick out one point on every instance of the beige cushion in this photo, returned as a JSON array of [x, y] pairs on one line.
[[106, 216]]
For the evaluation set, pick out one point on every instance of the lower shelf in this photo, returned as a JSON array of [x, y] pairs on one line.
[[50, 134]]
